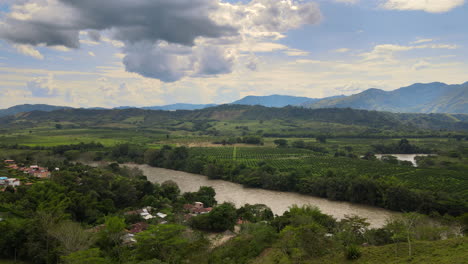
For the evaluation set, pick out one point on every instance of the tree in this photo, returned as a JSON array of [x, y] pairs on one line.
[[304, 241], [109, 238], [321, 139], [170, 190], [298, 144], [352, 230], [403, 228], [221, 218], [170, 243], [205, 194], [255, 213], [281, 143], [72, 237], [369, 156], [389, 159]]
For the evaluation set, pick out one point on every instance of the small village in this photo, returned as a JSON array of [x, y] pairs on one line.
[[21, 175], [25, 172]]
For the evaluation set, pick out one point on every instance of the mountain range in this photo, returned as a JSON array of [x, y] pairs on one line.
[[276, 119], [417, 98]]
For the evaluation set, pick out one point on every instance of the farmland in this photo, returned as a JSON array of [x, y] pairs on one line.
[[332, 160]]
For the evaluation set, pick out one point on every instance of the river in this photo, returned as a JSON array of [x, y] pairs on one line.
[[404, 157], [279, 202]]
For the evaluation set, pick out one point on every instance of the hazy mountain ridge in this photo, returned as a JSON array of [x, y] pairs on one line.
[[30, 107], [417, 98], [274, 100], [269, 101], [151, 118]]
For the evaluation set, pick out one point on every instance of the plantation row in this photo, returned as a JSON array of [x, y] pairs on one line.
[[289, 159], [254, 153]]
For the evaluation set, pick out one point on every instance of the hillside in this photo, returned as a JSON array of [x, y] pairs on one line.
[[273, 100], [417, 98], [173, 107], [28, 108], [290, 117], [449, 251]]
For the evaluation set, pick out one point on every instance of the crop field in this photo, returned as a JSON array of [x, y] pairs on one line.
[[251, 153], [55, 137], [286, 159]]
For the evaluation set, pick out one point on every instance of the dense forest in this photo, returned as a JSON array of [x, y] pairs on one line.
[[84, 215]]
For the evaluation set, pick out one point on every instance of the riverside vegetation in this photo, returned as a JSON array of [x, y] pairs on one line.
[[78, 215]]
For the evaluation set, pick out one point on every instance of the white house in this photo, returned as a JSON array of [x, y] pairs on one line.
[[13, 182]]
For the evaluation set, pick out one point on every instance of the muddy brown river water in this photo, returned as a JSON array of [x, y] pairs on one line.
[[279, 202]]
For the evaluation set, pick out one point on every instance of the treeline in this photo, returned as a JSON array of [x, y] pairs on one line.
[[335, 184], [60, 149], [402, 147], [374, 134], [249, 139]]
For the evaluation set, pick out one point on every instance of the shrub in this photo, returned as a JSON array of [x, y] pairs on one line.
[[352, 252]]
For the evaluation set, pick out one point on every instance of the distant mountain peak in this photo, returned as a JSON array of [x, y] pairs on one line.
[[435, 97], [274, 100]]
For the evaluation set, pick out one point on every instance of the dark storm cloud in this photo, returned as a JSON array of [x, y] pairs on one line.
[[25, 32], [94, 35], [167, 63], [163, 39], [175, 21]]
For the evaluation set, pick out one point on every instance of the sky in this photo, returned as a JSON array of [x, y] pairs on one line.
[[112, 53]]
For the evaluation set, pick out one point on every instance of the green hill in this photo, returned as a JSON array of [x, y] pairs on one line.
[[293, 117], [28, 108], [451, 251]]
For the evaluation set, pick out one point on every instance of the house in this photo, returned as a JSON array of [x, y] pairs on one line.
[[128, 239], [3, 180], [144, 213], [241, 221], [13, 166], [138, 227], [161, 215], [197, 208], [36, 171], [13, 182]]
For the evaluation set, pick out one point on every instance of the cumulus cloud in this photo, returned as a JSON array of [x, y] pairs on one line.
[[164, 39], [342, 50], [42, 87], [422, 41], [348, 1], [386, 51], [431, 6], [28, 50]]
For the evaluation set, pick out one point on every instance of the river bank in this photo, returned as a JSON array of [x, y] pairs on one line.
[[279, 202]]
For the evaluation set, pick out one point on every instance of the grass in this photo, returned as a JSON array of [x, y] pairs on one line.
[[54, 137], [451, 251]]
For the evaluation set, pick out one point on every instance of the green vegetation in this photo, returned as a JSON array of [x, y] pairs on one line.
[[79, 215]]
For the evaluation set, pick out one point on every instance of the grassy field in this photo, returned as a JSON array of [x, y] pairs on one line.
[[55, 137], [452, 251]]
